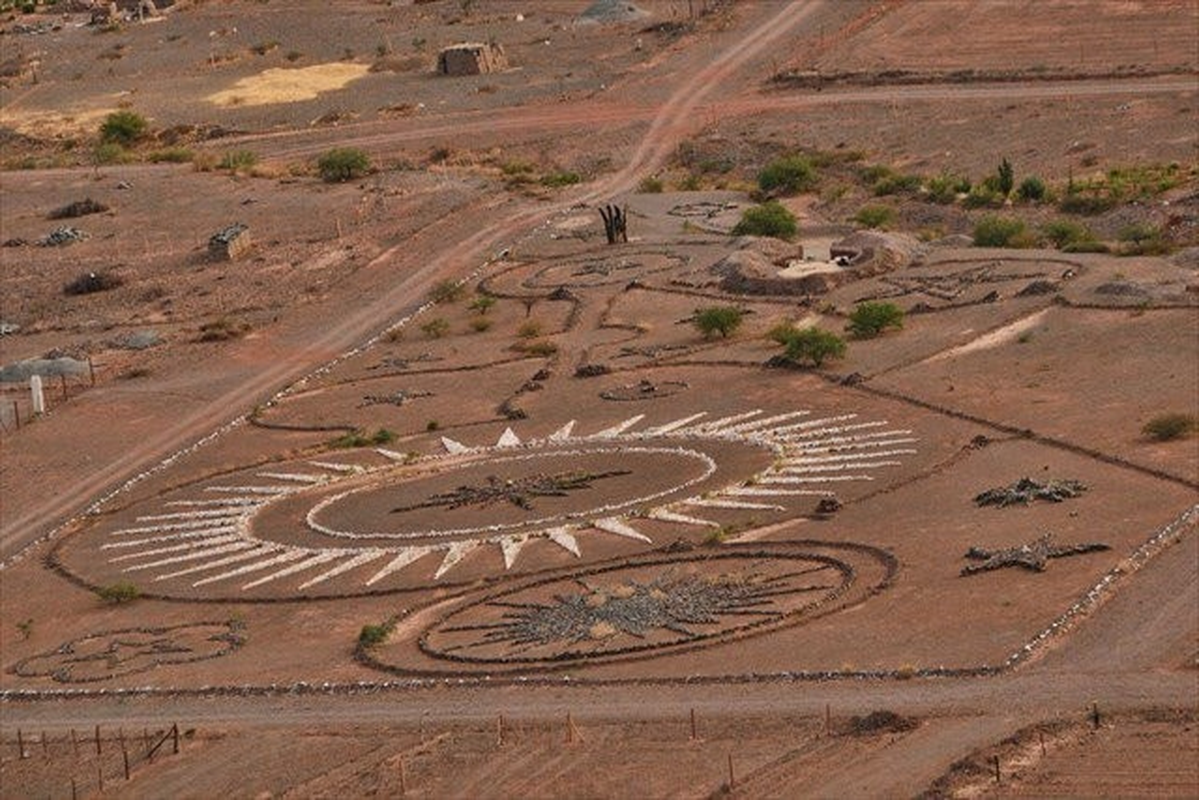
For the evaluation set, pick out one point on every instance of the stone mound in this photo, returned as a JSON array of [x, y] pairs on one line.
[[755, 268], [880, 722], [875, 252], [612, 11], [20, 371]]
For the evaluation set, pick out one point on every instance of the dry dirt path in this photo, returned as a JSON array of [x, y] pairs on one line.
[[253, 370]]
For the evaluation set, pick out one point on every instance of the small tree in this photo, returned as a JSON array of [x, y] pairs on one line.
[[1167, 427], [870, 319], [447, 291], [482, 303], [996, 231], [790, 175], [123, 128], [875, 216], [1032, 190], [1005, 177], [718, 319], [343, 164], [119, 592], [768, 219], [814, 346]]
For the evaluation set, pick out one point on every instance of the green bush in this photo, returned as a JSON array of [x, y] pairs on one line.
[[1086, 246], [1087, 203], [1167, 427], [482, 303], [374, 635], [814, 346], [651, 185], [944, 188], [870, 319], [786, 176], [1032, 190], [996, 231], [1142, 239], [111, 153], [1063, 233], [447, 291], [119, 592], [343, 164], [123, 128], [238, 160], [896, 184], [723, 320], [769, 219], [557, 179], [982, 196], [361, 439], [875, 216], [1005, 178], [435, 328]]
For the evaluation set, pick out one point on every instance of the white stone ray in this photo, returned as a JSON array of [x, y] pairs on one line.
[[452, 447], [231, 502], [256, 566], [240, 544], [244, 555], [616, 430], [717, 425], [865, 437], [848, 446], [563, 433], [405, 557], [455, 553], [211, 514], [666, 515], [765, 422], [273, 490], [620, 528], [174, 526], [170, 537], [308, 563], [839, 467], [790, 430], [294, 477], [821, 479], [835, 429], [391, 455], [753, 491], [844, 457], [365, 557], [716, 502], [511, 546], [673, 426], [196, 545], [564, 539], [508, 439], [337, 466]]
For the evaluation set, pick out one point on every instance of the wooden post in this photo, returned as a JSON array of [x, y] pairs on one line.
[[145, 740], [1095, 719], [175, 737], [732, 778], [499, 730], [995, 761], [100, 776], [570, 729], [828, 720], [403, 781], [125, 756], [97, 740], [91, 370], [75, 743], [62, 379], [1041, 734], [74, 790], [21, 744], [16, 413], [45, 745], [694, 732]]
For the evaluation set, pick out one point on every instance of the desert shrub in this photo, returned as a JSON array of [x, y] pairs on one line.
[[79, 208], [896, 184], [262, 48], [542, 349], [813, 346], [1086, 203], [875, 216], [482, 303], [362, 439], [238, 160], [171, 155], [651, 185], [786, 176], [92, 282], [1063, 233], [223, 329], [123, 127], [1167, 427], [723, 320], [373, 635], [690, 183], [1005, 178], [447, 291], [529, 330], [944, 188], [781, 333], [480, 324], [558, 179], [870, 319], [343, 164], [119, 592], [769, 219], [1142, 239], [111, 153], [1032, 189], [996, 231], [435, 328], [982, 196], [1086, 246]]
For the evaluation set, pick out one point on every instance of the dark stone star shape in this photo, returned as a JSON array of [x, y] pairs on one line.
[[1030, 556]]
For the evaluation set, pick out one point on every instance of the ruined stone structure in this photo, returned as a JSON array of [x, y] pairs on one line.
[[471, 58]]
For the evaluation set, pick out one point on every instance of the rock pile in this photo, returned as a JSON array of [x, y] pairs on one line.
[[1025, 490]]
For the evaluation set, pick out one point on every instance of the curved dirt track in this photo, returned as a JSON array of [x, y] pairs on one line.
[[257, 380]]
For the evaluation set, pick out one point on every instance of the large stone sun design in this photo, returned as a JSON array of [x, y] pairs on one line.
[[370, 515]]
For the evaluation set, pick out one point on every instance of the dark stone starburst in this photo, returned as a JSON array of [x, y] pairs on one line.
[[1032, 556], [517, 491]]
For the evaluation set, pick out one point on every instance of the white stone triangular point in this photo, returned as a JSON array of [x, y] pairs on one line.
[[452, 447], [508, 439], [616, 430], [618, 527], [453, 554], [563, 433], [564, 539], [511, 546], [670, 516], [402, 559]]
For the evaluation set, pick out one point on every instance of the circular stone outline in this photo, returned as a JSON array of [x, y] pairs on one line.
[[434, 533]]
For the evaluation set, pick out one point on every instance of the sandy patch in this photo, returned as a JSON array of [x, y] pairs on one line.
[[288, 85], [50, 123]]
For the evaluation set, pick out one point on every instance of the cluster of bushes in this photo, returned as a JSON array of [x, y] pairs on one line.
[[769, 219]]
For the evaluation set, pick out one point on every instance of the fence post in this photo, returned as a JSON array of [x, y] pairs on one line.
[[75, 743], [21, 744], [175, 737], [694, 734], [403, 782], [732, 778], [45, 745], [97, 740], [995, 761]]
